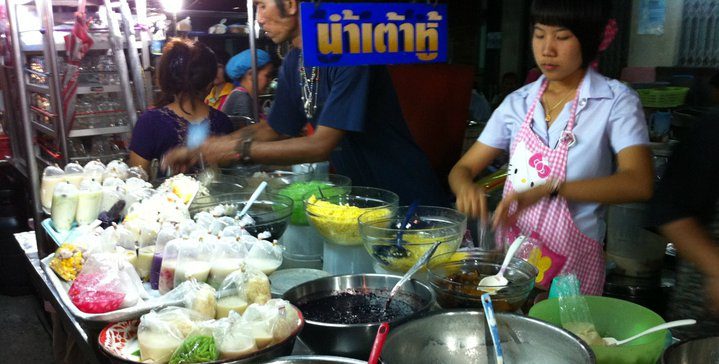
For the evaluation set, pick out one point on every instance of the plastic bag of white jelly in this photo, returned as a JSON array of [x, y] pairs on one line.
[[270, 323], [161, 332], [193, 261], [228, 257], [232, 338], [95, 170], [117, 169], [74, 173], [166, 282], [241, 288], [264, 255], [197, 296]]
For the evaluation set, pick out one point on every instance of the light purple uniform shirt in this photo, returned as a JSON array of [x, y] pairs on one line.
[[609, 119]]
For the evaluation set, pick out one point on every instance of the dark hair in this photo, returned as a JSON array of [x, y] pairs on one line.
[[281, 7], [185, 70], [714, 81], [586, 19], [222, 58]]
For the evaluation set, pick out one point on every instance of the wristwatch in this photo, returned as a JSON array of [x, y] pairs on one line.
[[246, 158]]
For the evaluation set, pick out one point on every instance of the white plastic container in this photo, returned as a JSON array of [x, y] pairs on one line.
[[64, 206]]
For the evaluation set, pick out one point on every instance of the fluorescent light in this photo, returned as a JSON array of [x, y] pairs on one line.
[[172, 6]]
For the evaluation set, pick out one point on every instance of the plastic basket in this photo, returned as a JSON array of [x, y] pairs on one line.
[[663, 97]]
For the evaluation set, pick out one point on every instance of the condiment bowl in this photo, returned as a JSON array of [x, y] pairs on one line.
[[396, 249], [271, 212], [454, 278], [353, 340], [335, 216]]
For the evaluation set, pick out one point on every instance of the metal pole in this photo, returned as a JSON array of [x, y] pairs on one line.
[[61, 124], [116, 41], [32, 173], [251, 28], [135, 66]]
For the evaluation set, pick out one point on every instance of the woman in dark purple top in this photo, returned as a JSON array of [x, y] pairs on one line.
[[185, 73]]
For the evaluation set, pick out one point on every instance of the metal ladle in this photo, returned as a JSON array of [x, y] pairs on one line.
[[416, 267]]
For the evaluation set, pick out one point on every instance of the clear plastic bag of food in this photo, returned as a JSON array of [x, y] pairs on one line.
[[573, 309], [264, 256], [200, 345], [197, 296], [167, 233], [138, 172], [234, 340], [117, 169], [166, 280], [228, 257], [193, 261], [242, 287], [94, 170], [99, 287], [161, 332], [269, 323]]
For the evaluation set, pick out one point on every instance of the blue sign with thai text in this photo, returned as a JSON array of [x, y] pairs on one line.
[[346, 34]]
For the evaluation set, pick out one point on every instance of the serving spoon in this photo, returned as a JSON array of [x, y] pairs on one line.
[[610, 341], [492, 284], [420, 262]]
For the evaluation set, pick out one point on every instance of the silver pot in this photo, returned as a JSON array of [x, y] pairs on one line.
[[459, 337], [353, 340], [315, 359], [703, 350]]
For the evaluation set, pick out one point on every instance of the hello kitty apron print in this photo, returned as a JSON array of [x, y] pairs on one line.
[[557, 245]]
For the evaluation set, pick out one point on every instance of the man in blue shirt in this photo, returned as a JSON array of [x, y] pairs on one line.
[[355, 114]]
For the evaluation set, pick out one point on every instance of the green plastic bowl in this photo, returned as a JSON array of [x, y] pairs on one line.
[[619, 319]]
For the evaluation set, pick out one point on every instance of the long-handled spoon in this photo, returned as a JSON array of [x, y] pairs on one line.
[[610, 341], [252, 199], [420, 262], [493, 330], [379, 339], [492, 284]]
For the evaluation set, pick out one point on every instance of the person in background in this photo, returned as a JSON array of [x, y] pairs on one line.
[[185, 73], [239, 68], [358, 122], [564, 133], [686, 208], [479, 109], [222, 85], [509, 83]]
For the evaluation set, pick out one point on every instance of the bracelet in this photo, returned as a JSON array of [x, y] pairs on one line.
[[245, 155]]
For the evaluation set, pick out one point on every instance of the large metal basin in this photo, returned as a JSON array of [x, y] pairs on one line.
[[459, 337], [354, 340], [704, 350]]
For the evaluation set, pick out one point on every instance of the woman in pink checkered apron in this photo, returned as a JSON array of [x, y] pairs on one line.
[[577, 140]]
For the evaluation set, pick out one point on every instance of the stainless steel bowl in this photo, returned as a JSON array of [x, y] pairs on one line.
[[315, 359], [353, 340], [459, 337], [703, 350]]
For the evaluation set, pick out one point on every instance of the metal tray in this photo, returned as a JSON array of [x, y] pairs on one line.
[[128, 313]]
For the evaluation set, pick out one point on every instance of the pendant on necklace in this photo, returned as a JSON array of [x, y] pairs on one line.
[[548, 118]]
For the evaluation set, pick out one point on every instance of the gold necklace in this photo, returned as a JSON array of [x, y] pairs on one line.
[[548, 112]]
